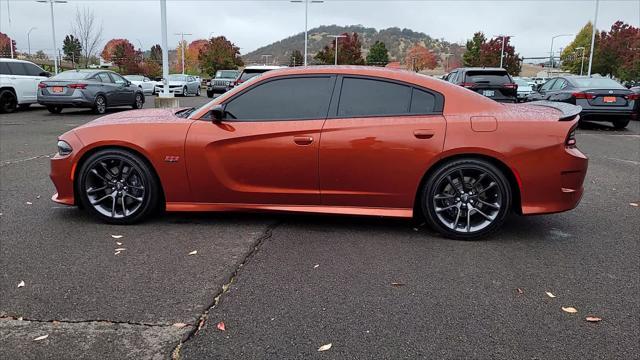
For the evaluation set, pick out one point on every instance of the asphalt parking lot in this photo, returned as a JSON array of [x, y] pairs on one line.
[[284, 285]]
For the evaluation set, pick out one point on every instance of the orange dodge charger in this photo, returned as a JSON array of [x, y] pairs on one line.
[[338, 140]]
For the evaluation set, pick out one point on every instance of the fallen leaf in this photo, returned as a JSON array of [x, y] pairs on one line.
[[116, 253], [397, 284], [593, 319], [116, 236], [118, 243], [316, 266], [29, 203], [220, 326], [180, 325], [38, 197], [325, 347], [21, 284], [519, 291], [416, 229], [550, 294], [569, 309], [120, 249], [193, 252], [41, 337], [634, 204]]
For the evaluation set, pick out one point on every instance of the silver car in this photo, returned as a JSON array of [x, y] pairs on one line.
[[95, 89], [181, 85]]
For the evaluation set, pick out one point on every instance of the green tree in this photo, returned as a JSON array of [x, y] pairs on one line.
[[349, 51], [471, 56], [219, 54], [378, 54], [296, 58], [72, 49], [572, 55]]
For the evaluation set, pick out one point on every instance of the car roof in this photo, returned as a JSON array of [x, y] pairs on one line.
[[88, 70], [15, 60], [264, 67], [482, 69]]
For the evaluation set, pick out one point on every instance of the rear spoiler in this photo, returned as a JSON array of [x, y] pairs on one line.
[[569, 111]]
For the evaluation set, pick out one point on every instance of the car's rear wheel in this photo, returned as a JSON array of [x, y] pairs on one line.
[[621, 124], [100, 105], [54, 109], [117, 186], [466, 199], [209, 94], [138, 102], [8, 101]]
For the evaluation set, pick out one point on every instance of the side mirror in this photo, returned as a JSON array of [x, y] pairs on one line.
[[45, 74], [216, 113]]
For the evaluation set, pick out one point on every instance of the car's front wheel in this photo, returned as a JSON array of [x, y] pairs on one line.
[[117, 186], [100, 105], [466, 199]]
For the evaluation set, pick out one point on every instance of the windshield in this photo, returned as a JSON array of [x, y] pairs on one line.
[[72, 75], [226, 74], [177, 78], [134, 77], [596, 83]]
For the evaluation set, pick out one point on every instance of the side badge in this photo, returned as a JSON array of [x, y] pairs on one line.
[[171, 158]]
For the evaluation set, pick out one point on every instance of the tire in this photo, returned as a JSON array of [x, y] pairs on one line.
[[8, 102], [470, 213], [138, 102], [198, 91], [103, 184], [621, 124], [185, 91], [54, 109], [100, 105], [209, 94]]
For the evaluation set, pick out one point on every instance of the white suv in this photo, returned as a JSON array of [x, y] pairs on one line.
[[19, 81]]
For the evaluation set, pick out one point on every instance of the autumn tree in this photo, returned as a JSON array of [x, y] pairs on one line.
[[378, 54], [617, 52], [491, 51], [72, 49], [471, 56], [573, 54], [349, 51], [5, 45], [219, 54], [123, 54], [155, 54], [419, 58], [296, 58]]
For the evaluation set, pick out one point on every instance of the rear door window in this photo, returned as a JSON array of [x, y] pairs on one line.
[[296, 98], [488, 77], [559, 85], [4, 69], [33, 70], [17, 68], [422, 102], [368, 97]]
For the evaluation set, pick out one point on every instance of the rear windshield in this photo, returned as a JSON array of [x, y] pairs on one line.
[[226, 74], [488, 77], [72, 75], [596, 83], [249, 73]]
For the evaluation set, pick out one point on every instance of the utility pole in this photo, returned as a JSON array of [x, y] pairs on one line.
[[582, 56], [504, 37], [29, 40], [336, 52], [165, 50], [593, 37], [53, 30], [182, 45], [306, 24], [551, 57]]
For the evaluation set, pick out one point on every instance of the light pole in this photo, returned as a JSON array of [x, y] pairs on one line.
[[165, 51], [336, 52], [53, 30], [182, 45], [306, 23], [446, 67], [502, 51], [29, 40], [582, 60], [551, 59], [593, 37], [266, 58]]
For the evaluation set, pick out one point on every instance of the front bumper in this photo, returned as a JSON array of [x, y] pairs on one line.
[[176, 90], [218, 89], [63, 171]]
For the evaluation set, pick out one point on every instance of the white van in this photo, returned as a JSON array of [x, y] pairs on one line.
[[19, 81]]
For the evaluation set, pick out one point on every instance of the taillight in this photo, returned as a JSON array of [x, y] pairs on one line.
[[77, 86], [42, 85], [583, 95], [571, 142], [468, 84], [510, 86], [633, 97]]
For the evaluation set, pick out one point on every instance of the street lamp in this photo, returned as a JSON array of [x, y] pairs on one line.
[[182, 45], [582, 61], [593, 37], [502, 51], [336, 52], [551, 59], [306, 23], [29, 40], [53, 29]]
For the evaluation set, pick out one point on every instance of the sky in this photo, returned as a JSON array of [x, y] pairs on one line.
[[251, 24]]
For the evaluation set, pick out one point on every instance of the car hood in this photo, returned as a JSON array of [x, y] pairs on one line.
[[151, 116], [175, 83]]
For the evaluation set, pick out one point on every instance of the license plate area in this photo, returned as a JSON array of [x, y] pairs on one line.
[[57, 89], [609, 99], [488, 93]]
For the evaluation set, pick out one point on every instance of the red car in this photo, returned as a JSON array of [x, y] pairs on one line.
[[339, 140]]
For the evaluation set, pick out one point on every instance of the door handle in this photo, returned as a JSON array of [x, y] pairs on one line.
[[423, 134], [303, 140]]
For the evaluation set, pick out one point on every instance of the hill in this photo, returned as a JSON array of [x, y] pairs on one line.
[[397, 41]]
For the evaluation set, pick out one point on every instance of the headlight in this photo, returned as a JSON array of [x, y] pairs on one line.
[[64, 148], [227, 83]]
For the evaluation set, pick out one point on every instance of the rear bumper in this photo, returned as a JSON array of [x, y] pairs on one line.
[[607, 114], [75, 100]]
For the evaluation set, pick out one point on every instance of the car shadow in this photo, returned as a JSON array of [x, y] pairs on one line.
[[599, 126]]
